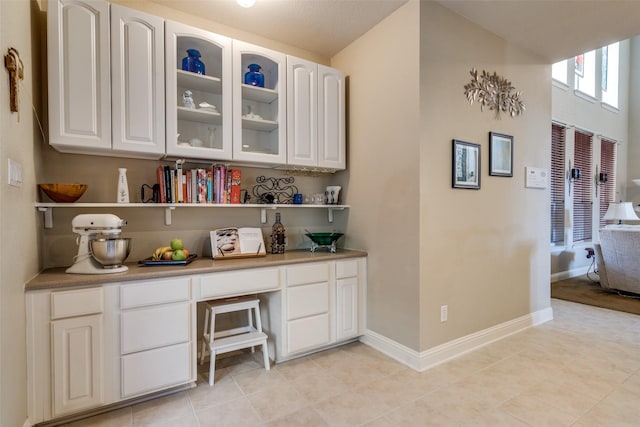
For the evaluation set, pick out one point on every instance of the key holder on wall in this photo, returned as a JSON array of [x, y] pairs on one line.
[[14, 65]]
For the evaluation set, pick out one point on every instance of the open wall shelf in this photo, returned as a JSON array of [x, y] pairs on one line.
[[168, 208]]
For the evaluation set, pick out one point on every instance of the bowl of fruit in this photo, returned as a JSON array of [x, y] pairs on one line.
[[173, 254]]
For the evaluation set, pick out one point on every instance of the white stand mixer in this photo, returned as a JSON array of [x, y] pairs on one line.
[[89, 227]]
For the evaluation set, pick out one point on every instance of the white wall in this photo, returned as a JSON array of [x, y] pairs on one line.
[[577, 112]]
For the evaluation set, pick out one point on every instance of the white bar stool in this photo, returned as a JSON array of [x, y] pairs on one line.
[[232, 339]]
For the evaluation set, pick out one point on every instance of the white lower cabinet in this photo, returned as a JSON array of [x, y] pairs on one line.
[[77, 363], [155, 335], [321, 304], [101, 345]]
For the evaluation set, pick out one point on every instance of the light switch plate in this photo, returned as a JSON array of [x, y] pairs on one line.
[[15, 173]]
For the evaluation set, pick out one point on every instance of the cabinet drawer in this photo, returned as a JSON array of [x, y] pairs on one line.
[[76, 303], [154, 292], [231, 283], [307, 300], [155, 369], [346, 269], [308, 333], [153, 327], [307, 273]]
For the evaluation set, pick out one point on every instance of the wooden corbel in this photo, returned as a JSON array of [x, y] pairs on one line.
[[14, 65]]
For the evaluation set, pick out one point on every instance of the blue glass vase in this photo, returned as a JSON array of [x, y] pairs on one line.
[[192, 62], [254, 77]]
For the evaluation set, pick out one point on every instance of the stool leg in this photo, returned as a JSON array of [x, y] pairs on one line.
[[265, 356], [212, 367], [207, 313], [250, 325]]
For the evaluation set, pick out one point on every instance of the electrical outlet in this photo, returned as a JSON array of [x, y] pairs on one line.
[[444, 313]]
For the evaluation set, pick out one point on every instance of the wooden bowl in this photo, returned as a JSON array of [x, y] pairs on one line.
[[63, 193]]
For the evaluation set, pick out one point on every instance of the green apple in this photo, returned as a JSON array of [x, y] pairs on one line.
[[176, 244], [179, 255]]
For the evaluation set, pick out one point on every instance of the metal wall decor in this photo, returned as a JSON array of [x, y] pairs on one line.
[[270, 190], [494, 92]]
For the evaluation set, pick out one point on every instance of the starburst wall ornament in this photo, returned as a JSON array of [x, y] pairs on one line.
[[493, 92]]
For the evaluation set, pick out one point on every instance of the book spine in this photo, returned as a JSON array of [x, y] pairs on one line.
[[209, 186], [236, 179], [161, 184], [167, 184], [179, 177], [202, 186], [188, 198]]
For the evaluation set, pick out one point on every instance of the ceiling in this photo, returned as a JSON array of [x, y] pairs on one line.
[[553, 29]]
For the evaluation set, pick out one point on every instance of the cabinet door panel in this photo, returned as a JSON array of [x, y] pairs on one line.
[[302, 112], [347, 308], [137, 59], [331, 118], [156, 369], [308, 333], [77, 364], [79, 80], [153, 327], [307, 300]]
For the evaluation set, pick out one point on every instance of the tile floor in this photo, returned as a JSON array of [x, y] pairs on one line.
[[581, 369]]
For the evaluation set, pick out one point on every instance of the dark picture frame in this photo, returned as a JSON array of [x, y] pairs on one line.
[[500, 154], [466, 165]]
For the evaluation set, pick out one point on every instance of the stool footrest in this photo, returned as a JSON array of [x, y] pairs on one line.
[[237, 342]]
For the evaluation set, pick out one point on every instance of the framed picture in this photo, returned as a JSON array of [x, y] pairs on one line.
[[500, 154], [466, 165]]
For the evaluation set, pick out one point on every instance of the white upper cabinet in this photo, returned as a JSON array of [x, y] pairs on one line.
[[259, 113], [201, 128], [315, 115], [137, 81], [106, 91], [79, 82], [302, 112], [331, 118]]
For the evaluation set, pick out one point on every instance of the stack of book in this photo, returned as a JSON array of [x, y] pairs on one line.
[[218, 184]]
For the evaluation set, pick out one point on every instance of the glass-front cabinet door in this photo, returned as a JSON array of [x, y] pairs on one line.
[[199, 94], [259, 99]]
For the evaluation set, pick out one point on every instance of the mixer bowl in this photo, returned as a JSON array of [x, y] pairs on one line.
[[110, 252]]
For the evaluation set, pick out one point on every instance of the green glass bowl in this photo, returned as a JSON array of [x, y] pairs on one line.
[[324, 239]]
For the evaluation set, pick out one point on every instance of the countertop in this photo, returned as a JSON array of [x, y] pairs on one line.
[[57, 278]]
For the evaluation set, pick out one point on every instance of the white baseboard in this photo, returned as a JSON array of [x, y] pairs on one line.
[[569, 273], [421, 361]]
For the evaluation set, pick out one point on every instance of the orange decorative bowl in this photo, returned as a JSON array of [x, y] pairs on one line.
[[63, 193]]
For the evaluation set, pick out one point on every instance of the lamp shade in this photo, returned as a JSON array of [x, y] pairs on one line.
[[621, 211]]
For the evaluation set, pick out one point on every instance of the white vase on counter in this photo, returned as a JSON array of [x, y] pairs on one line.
[[123, 186]]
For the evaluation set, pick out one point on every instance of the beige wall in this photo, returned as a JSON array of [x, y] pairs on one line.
[[19, 140], [483, 253], [384, 187]]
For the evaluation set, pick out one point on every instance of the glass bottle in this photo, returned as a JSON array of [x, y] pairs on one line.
[[123, 186], [192, 62], [277, 236], [254, 77]]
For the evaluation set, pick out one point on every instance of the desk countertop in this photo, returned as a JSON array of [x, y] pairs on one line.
[[57, 278]]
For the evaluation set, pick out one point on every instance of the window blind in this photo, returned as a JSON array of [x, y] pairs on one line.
[[556, 184], [582, 189], [608, 159]]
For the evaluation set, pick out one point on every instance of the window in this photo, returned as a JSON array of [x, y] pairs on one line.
[[585, 71], [559, 71], [582, 188], [557, 183], [610, 74], [608, 153]]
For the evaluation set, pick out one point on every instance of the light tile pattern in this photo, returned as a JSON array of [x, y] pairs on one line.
[[582, 369]]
